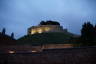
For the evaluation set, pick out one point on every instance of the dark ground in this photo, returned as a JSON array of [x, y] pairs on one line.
[[83, 55]]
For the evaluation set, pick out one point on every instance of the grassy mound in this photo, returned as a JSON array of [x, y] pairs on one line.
[[45, 38]]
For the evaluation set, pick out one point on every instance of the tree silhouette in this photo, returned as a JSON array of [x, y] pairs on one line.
[[95, 32], [3, 31], [95, 29], [87, 33], [12, 35], [42, 23], [49, 22]]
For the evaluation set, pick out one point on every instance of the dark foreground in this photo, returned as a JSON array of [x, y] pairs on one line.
[[84, 55]]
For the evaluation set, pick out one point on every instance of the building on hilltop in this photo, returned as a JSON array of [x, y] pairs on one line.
[[47, 35], [50, 26]]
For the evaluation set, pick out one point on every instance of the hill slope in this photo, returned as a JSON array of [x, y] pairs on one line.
[[45, 38]]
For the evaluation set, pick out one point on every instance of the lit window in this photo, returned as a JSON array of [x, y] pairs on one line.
[[47, 29], [11, 52], [33, 31], [39, 30]]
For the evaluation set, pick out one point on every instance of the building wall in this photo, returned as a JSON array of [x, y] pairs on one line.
[[45, 28], [86, 55], [30, 48], [53, 46]]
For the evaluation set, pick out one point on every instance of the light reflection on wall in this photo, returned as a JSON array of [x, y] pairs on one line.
[[33, 31], [47, 28], [39, 30]]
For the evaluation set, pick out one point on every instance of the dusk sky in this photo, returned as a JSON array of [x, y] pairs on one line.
[[18, 15]]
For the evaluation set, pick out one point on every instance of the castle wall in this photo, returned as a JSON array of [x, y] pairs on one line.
[[86, 55], [29, 48], [45, 28], [52, 46]]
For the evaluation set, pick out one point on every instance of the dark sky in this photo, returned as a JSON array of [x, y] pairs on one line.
[[18, 15]]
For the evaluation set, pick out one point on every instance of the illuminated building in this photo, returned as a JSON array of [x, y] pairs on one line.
[[45, 28], [47, 37]]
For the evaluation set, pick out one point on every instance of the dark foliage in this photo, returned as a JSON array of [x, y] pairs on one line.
[[6, 40], [42, 23], [12, 35], [3, 31], [49, 23], [88, 34], [95, 32]]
